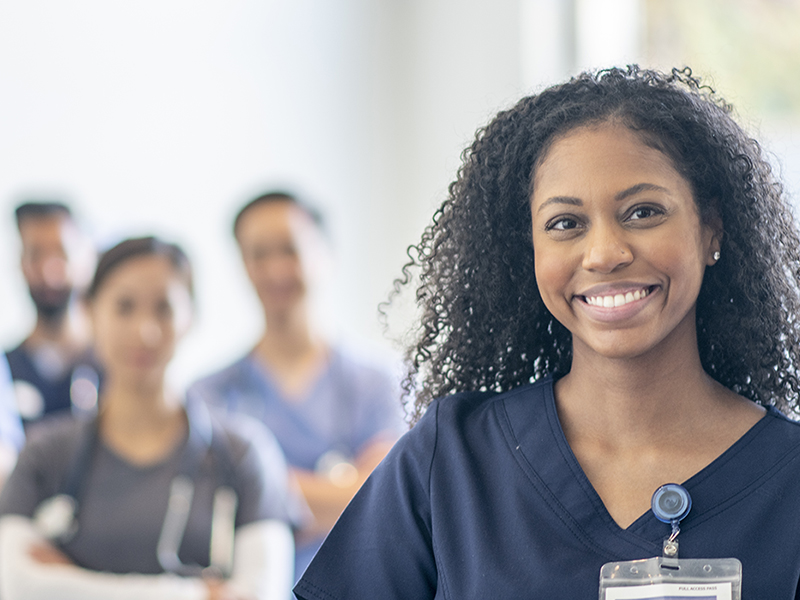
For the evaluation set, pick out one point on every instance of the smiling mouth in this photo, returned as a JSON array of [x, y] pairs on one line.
[[615, 300]]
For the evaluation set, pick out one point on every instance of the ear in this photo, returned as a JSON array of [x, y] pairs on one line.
[[184, 314], [714, 229], [187, 324]]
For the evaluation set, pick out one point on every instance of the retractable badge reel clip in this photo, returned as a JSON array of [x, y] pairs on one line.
[[671, 503]]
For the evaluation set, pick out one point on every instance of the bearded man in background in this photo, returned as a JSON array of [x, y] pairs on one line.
[[53, 368]]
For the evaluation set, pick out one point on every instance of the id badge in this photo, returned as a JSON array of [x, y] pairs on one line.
[[663, 578], [667, 577]]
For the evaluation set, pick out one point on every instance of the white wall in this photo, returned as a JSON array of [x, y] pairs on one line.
[[166, 116]]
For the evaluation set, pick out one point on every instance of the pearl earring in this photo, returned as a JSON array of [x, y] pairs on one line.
[[717, 255]]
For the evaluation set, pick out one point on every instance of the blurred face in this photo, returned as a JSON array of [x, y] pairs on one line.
[[620, 250], [52, 262], [282, 251], [138, 315]]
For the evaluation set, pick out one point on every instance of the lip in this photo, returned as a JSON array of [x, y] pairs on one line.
[[143, 359], [608, 314]]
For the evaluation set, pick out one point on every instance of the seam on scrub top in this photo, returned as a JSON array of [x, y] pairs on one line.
[[319, 591], [544, 492], [732, 451], [612, 527], [441, 580], [791, 455]]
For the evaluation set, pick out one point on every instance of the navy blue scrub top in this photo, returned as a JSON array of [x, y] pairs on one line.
[[57, 393], [483, 498]]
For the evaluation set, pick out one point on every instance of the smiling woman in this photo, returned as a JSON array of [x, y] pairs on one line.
[[609, 300], [612, 218]]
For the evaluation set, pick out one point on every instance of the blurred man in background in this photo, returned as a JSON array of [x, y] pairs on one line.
[[53, 368], [334, 409]]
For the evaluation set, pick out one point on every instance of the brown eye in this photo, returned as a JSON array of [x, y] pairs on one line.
[[124, 306], [164, 310], [288, 251], [562, 224], [644, 212], [259, 253]]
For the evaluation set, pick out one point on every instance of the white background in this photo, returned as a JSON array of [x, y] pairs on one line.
[[166, 116]]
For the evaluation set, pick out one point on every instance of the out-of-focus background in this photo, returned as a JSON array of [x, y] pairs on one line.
[[165, 116]]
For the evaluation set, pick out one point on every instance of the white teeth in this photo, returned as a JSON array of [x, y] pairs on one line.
[[617, 299]]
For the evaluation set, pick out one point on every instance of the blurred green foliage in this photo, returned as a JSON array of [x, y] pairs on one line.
[[750, 46]]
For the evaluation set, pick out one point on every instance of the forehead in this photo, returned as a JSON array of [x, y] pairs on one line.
[[141, 273], [596, 155], [277, 219], [53, 226], [54, 231]]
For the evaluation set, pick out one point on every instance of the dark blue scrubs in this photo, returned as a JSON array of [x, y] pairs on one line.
[[483, 498], [57, 393]]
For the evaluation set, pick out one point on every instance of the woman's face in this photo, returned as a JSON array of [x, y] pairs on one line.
[[620, 250], [138, 314]]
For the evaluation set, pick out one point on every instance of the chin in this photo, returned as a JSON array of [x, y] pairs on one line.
[[144, 375], [619, 349], [281, 308]]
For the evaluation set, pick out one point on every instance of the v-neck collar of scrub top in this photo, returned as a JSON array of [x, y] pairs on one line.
[[265, 377], [534, 432]]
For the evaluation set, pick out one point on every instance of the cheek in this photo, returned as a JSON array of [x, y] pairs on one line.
[[292, 267], [106, 332], [682, 259], [168, 331], [552, 275], [31, 271], [252, 270]]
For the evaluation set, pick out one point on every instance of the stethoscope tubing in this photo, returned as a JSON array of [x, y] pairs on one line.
[[66, 506]]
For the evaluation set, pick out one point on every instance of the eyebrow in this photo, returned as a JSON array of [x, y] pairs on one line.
[[640, 187], [626, 193]]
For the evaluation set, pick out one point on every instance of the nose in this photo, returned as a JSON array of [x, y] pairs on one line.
[[149, 332], [54, 272], [606, 249]]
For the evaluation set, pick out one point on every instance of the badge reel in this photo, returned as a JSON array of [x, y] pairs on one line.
[[667, 577]]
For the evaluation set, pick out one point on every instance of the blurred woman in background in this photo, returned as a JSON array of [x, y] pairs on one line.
[[153, 498]]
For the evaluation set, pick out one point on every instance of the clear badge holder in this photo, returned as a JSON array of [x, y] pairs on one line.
[[662, 578], [667, 577]]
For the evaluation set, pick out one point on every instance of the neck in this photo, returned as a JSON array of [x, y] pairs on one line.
[[637, 400], [288, 338], [53, 323], [143, 428], [142, 408], [62, 331], [294, 355]]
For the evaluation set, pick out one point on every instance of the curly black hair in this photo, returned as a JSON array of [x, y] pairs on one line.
[[483, 323]]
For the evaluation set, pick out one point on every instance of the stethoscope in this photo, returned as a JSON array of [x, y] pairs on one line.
[[57, 518]]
